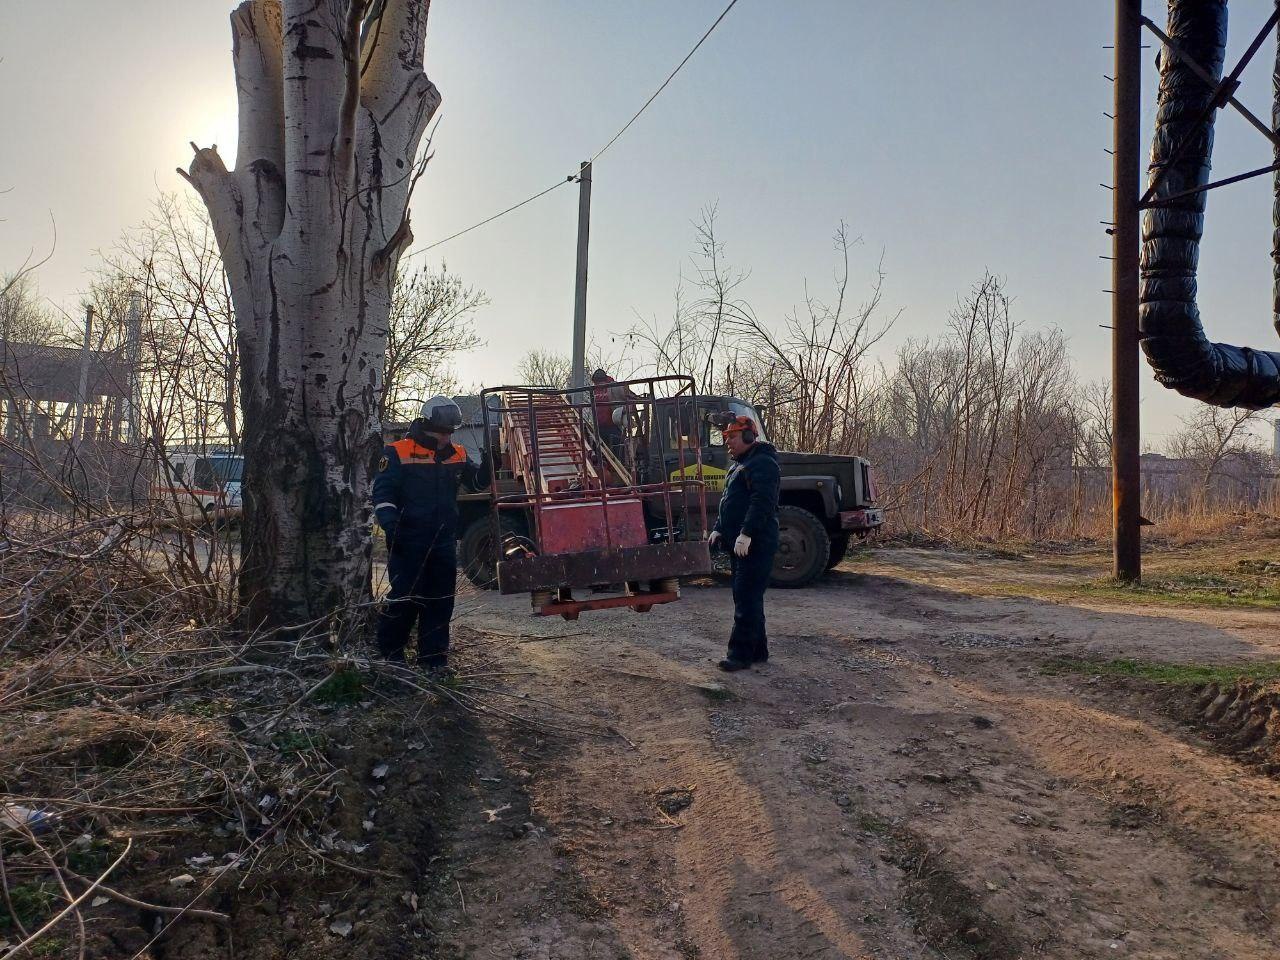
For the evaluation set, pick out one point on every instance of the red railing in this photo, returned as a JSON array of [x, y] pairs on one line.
[[557, 450]]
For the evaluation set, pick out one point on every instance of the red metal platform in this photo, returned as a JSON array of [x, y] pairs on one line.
[[585, 511]]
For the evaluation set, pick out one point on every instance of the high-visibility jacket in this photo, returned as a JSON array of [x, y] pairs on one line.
[[416, 487]]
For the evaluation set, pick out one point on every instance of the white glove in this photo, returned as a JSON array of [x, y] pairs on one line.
[[742, 545], [713, 538]]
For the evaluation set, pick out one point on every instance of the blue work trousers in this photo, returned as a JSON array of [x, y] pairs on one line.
[[748, 642], [424, 579]]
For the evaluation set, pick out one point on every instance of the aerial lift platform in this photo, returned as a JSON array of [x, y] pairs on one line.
[[594, 526]]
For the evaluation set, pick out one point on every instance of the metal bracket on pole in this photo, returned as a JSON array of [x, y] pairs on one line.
[[1223, 93]]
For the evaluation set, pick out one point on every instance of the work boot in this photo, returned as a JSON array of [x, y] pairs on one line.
[[730, 665], [436, 668]]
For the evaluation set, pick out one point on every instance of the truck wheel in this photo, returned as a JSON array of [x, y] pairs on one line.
[[476, 554], [839, 547], [803, 548]]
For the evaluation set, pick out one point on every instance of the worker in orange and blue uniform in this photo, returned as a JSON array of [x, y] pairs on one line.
[[749, 521], [415, 497]]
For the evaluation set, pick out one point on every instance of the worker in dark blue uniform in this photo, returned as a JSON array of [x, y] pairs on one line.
[[415, 498], [749, 521]]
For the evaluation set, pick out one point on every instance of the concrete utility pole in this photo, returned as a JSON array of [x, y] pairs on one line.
[[133, 331], [1126, 464], [82, 388], [578, 377]]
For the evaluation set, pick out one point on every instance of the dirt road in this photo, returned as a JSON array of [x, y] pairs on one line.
[[905, 779]]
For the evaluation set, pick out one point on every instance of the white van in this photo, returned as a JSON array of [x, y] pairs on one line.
[[201, 485]]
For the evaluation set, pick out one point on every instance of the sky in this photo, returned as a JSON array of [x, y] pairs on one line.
[[952, 137]]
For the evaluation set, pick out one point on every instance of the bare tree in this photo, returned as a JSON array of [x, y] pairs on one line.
[[430, 320], [30, 265], [1212, 436], [706, 302], [1092, 410], [188, 352], [544, 368], [22, 318], [333, 104], [814, 370]]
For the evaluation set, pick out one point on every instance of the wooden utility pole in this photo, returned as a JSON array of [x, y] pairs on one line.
[[1126, 464], [578, 377]]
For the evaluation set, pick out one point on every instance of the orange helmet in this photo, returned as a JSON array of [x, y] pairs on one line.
[[739, 424]]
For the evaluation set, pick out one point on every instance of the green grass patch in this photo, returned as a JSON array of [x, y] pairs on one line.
[[1195, 589], [212, 709], [292, 742], [870, 823], [715, 692], [344, 688], [1174, 674], [32, 902], [91, 859], [48, 947]]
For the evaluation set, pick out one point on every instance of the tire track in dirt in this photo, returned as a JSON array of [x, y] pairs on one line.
[[1143, 813], [1038, 818], [728, 854]]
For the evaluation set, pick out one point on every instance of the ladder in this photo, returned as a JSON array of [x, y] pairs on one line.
[[551, 445]]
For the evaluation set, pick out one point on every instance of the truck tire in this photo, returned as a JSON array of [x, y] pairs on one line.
[[839, 547], [476, 555], [803, 549]]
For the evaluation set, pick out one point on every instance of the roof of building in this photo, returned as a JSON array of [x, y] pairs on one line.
[[52, 374]]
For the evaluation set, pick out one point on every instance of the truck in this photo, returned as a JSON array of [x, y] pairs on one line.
[[826, 500]]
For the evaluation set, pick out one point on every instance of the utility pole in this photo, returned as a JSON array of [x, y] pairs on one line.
[[1126, 464], [133, 331], [82, 388], [578, 377]]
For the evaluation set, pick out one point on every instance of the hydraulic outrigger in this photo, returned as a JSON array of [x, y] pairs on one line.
[[596, 524]]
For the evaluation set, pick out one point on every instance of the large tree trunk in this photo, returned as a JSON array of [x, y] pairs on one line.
[[311, 224]]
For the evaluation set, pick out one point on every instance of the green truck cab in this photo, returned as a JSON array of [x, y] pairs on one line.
[[825, 501]]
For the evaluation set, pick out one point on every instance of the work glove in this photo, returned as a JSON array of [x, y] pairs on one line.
[[742, 545], [713, 539], [390, 531]]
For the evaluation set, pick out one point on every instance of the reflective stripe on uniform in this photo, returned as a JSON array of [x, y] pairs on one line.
[[379, 506]]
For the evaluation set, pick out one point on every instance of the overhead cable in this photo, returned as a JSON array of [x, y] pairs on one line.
[[614, 139]]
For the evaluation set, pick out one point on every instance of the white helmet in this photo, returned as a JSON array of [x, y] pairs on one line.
[[441, 414]]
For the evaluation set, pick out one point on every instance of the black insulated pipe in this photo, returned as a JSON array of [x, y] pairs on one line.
[[1275, 192], [1170, 331]]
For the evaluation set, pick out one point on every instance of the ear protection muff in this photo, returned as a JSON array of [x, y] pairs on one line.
[[727, 423]]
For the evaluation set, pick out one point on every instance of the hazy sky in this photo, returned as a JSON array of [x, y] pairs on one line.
[[954, 136]]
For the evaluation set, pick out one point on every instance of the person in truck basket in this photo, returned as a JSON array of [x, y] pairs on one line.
[[748, 521]]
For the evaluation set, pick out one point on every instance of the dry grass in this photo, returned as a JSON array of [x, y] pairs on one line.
[[137, 720]]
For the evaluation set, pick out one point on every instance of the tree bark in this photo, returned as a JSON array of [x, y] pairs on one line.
[[333, 104]]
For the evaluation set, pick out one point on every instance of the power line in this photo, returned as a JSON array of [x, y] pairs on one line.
[[614, 139], [477, 226], [670, 77]]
